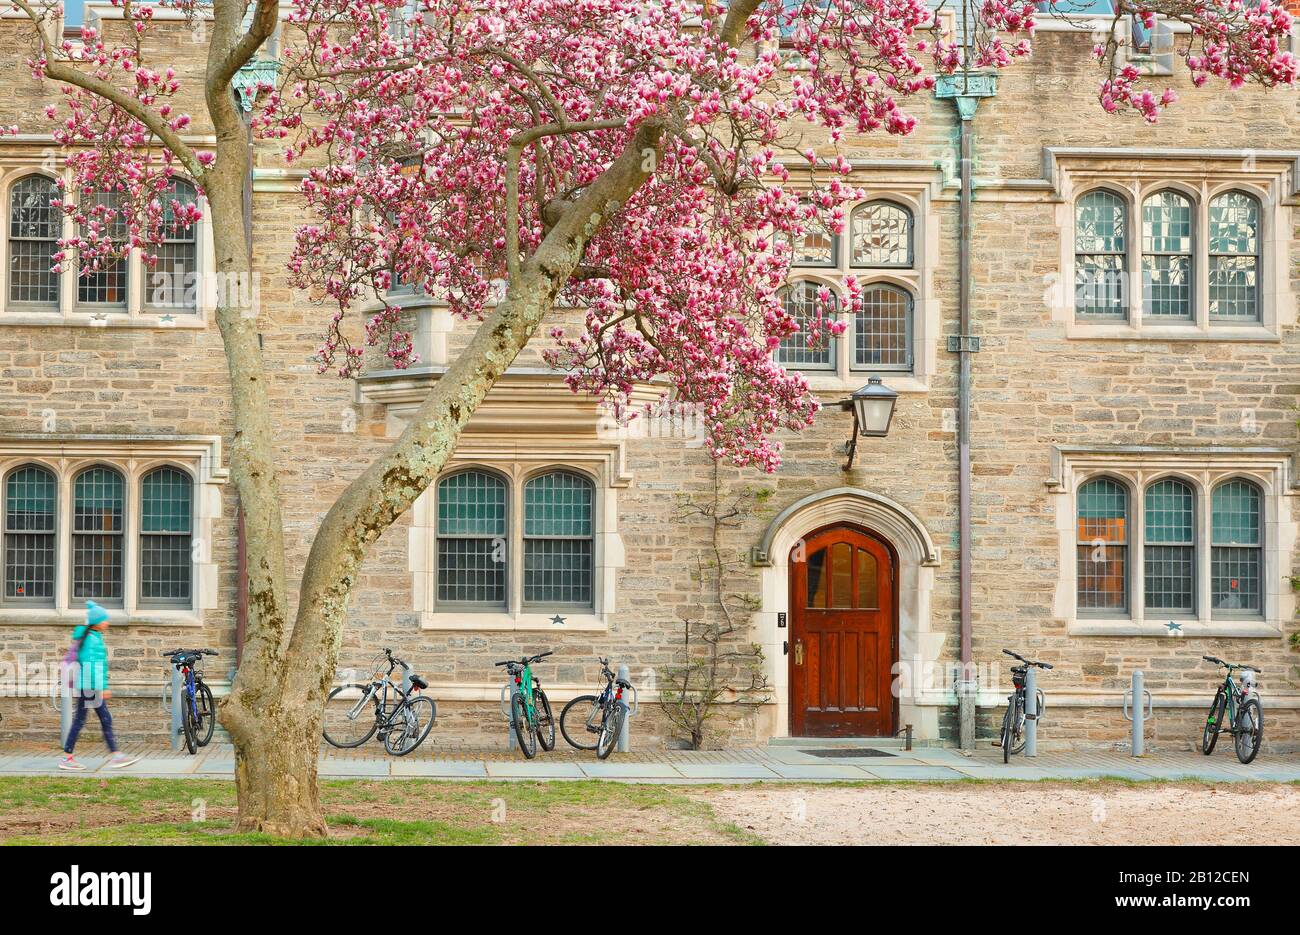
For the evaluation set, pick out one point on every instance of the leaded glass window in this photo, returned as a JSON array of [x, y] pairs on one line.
[[34, 227], [1236, 554], [1167, 256], [881, 234], [98, 508], [1102, 546], [471, 533], [800, 302], [1100, 255], [1234, 257], [817, 247], [30, 495], [1170, 547], [166, 507], [558, 508], [883, 329], [173, 282], [104, 283]]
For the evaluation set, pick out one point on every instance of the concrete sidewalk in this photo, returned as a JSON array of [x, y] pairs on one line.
[[810, 761]]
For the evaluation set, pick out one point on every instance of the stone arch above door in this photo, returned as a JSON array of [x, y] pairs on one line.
[[918, 557]]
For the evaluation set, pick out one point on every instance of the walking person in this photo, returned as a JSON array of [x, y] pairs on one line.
[[91, 675]]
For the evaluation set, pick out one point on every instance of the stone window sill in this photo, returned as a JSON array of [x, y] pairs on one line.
[[151, 320], [1107, 331], [579, 622], [72, 616], [1245, 628]]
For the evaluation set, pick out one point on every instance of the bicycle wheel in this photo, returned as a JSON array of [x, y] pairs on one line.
[[206, 710], [1213, 723], [409, 726], [1249, 731], [351, 715], [580, 722], [545, 720], [189, 727], [609, 731], [1006, 733], [1018, 738], [524, 732]]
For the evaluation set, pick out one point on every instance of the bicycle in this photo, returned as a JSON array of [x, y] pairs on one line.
[[530, 709], [602, 715], [1013, 722], [198, 710], [402, 723], [1245, 715]]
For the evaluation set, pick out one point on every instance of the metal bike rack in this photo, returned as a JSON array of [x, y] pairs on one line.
[[512, 743], [1135, 712], [66, 694], [624, 733], [1031, 711], [171, 701]]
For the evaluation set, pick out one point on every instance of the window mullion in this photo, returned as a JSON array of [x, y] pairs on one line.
[[1204, 551]]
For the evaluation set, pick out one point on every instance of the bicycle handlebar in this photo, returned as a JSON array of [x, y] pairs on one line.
[[1232, 665], [525, 660], [1028, 662], [201, 652]]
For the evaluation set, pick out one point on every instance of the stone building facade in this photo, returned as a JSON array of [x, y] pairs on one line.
[[1133, 447]]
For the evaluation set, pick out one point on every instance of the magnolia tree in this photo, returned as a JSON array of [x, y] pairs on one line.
[[634, 160]]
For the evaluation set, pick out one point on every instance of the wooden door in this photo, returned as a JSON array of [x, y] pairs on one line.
[[842, 635]]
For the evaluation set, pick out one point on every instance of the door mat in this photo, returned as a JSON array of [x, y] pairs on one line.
[[849, 752]]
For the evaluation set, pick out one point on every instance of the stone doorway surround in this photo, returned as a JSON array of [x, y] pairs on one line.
[[918, 557]]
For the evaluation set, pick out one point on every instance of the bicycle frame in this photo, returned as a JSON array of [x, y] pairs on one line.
[[525, 688]]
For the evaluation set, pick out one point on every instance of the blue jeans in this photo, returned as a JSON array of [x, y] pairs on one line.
[[84, 704]]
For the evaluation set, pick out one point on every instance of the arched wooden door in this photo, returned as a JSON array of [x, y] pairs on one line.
[[842, 635]]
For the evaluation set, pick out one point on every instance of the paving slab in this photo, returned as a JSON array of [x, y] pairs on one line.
[[440, 769], [527, 770], [344, 768], [726, 771], [820, 773], [607, 770]]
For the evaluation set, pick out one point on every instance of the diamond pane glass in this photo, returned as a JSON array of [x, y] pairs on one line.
[[1169, 556], [34, 223], [165, 554], [1100, 250], [30, 496], [881, 234], [800, 302], [471, 538], [558, 509], [1234, 257], [98, 500], [1167, 256], [1102, 550], [1236, 559], [883, 330]]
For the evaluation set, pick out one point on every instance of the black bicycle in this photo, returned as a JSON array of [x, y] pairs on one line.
[[1013, 722], [1235, 710], [593, 722], [403, 717], [198, 710]]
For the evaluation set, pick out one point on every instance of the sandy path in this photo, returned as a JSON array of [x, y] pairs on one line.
[[1016, 813]]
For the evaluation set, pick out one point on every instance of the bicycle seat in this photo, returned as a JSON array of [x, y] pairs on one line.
[[419, 682], [622, 683]]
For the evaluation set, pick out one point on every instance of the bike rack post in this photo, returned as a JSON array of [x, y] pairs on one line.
[[512, 743], [176, 708], [624, 733], [1137, 712], [66, 694], [1031, 711]]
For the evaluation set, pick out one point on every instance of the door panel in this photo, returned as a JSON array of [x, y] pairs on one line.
[[843, 629]]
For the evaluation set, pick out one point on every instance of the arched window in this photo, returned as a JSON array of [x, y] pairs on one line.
[[558, 508], [29, 530], [800, 302], [1234, 257], [881, 234], [1100, 255], [98, 509], [1169, 565], [34, 226], [1236, 554], [1102, 546], [173, 282], [105, 283], [166, 508], [883, 329], [1167, 256], [471, 535]]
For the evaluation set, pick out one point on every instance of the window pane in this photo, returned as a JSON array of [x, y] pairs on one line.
[[173, 280], [817, 247], [29, 534], [1234, 257], [97, 508], [105, 284], [1170, 554], [471, 503], [558, 510], [558, 504], [34, 226], [1169, 512], [883, 330], [1167, 256], [800, 301], [1100, 247], [882, 234], [1102, 551], [165, 555], [471, 571], [818, 591], [867, 584], [841, 575], [557, 571], [1236, 559]]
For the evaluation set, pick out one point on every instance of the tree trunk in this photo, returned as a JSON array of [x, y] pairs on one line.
[[275, 773]]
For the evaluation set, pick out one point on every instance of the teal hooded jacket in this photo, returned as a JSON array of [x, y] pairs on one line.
[[93, 659]]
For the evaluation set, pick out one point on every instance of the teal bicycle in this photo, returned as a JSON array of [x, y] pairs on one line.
[[530, 709], [1236, 711]]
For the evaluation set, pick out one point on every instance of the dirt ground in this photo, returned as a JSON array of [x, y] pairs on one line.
[[1015, 813]]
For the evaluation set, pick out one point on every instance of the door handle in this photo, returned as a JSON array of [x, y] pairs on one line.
[[785, 647], [798, 652]]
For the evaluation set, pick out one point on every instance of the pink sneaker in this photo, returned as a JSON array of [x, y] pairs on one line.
[[120, 760], [69, 762]]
